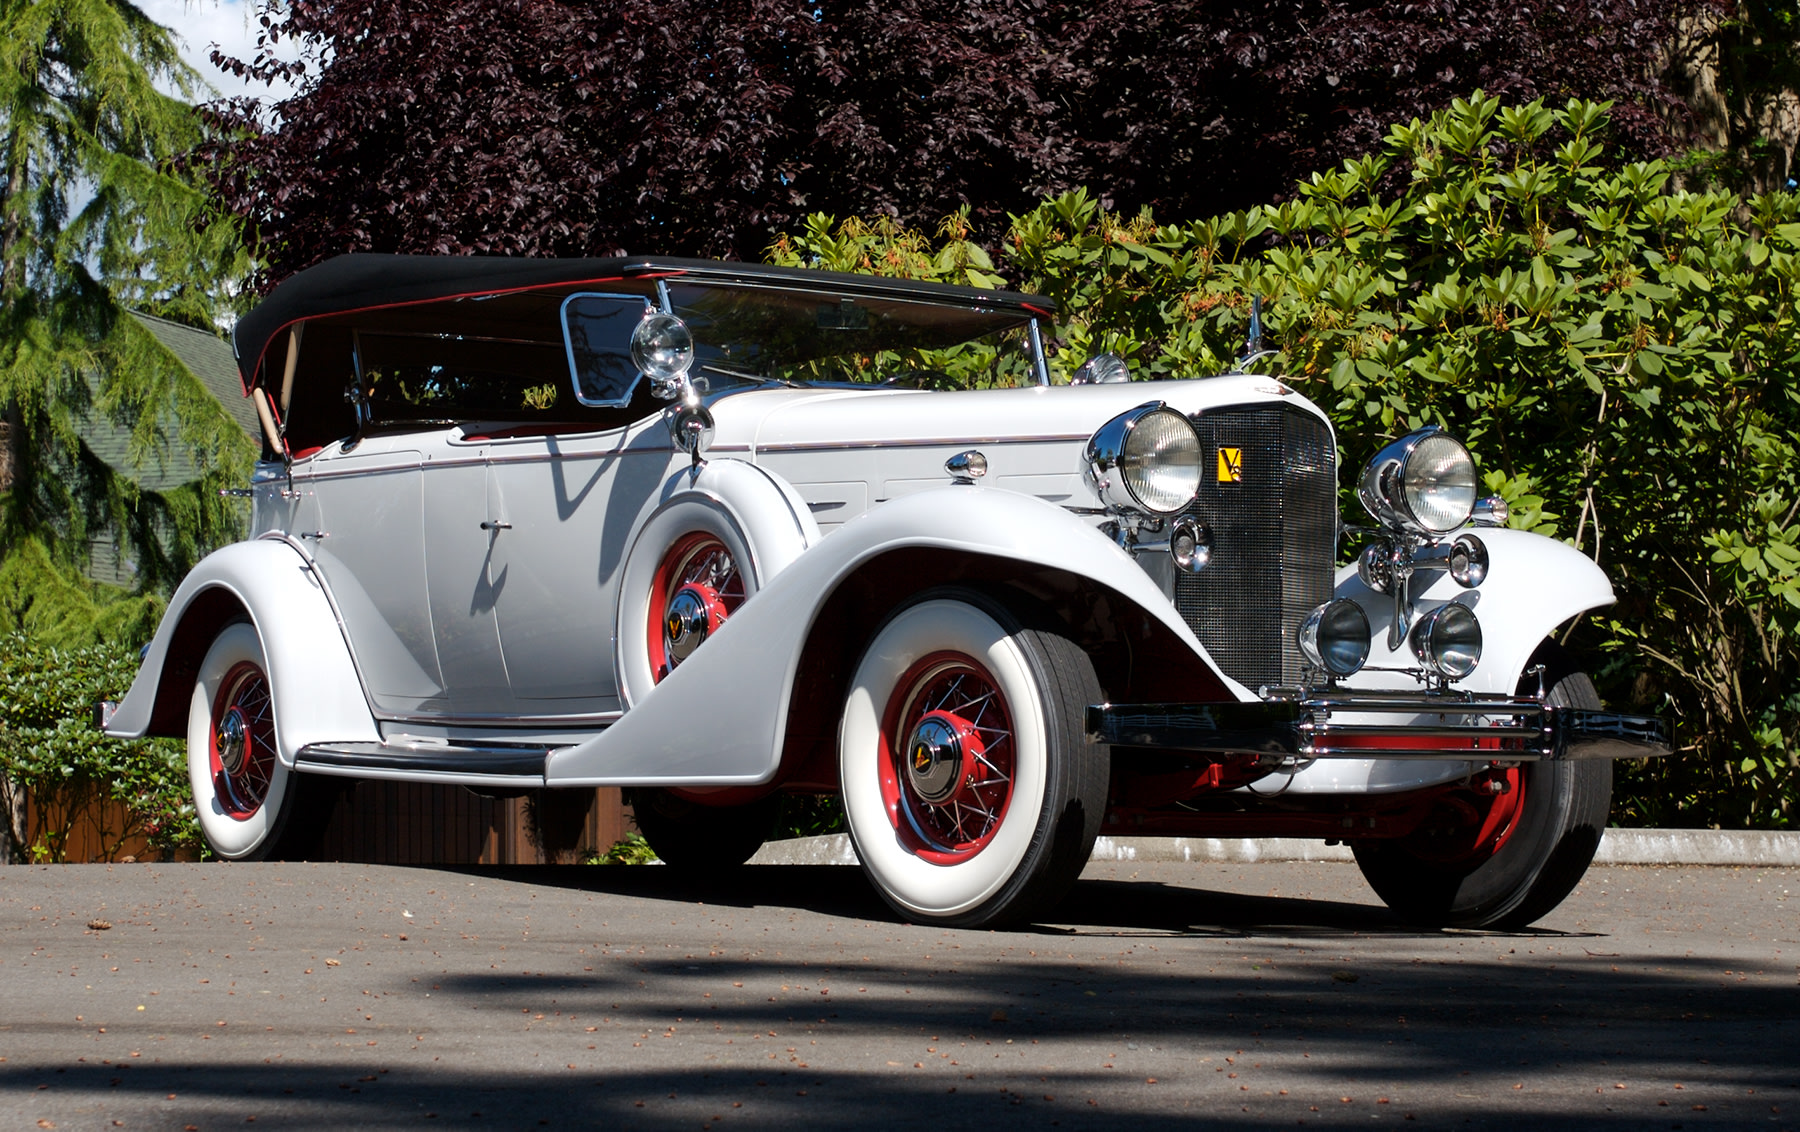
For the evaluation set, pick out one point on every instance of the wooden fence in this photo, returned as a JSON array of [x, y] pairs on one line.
[[399, 823]]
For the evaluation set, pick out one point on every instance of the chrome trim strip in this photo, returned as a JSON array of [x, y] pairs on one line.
[[492, 761], [603, 718], [947, 442], [490, 459]]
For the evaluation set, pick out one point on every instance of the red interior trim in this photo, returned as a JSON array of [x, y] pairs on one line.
[[554, 428]]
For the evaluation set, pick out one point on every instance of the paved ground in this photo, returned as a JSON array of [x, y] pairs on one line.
[[1241, 995]]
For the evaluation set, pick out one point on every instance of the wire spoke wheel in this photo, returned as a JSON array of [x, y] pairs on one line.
[[242, 746], [1505, 850], [947, 764], [971, 791], [244, 796], [697, 586]]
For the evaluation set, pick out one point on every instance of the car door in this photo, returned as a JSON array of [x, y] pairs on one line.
[[462, 531], [569, 503], [361, 513]]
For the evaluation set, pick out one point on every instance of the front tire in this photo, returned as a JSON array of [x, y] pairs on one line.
[[1507, 885], [971, 791]]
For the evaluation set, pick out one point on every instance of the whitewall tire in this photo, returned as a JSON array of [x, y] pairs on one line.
[[1545, 827], [241, 789], [972, 794]]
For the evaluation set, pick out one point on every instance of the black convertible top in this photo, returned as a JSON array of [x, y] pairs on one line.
[[361, 282]]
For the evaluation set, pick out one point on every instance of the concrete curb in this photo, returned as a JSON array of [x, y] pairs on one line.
[[1760, 848]]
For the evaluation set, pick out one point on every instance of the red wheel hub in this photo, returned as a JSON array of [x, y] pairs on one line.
[[947, 759], [696, 587], [242, 742], [1469, 824]]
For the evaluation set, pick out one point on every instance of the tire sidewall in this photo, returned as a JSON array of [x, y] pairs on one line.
[[1513, 886], [987, 635], [230, 838], [686, 514], [1564, 812]]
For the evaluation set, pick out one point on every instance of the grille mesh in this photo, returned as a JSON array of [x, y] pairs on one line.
[[1274, 540]]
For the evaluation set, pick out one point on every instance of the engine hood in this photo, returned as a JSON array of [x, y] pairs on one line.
[[759, 421]]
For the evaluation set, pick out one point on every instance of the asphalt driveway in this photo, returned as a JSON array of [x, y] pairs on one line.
[[315, 995]]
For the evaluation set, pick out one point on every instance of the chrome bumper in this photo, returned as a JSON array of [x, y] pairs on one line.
[[1338, 724]]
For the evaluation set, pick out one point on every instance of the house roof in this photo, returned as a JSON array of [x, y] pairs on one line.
[[208, 358]]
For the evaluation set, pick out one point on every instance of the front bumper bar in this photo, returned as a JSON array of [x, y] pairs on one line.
[[1340, 724]]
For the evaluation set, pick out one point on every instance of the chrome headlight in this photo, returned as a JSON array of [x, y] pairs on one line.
[[1448, 641], [1146, 460], [662, 347], [1424, 482]]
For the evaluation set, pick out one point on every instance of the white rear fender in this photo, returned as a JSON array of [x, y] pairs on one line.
[[1533, 585], [722, 716], [312, 679]]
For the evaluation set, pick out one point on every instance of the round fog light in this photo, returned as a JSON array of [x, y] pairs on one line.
[[1190, 544], [1448, 641], [1335, 637], [1468, 561]]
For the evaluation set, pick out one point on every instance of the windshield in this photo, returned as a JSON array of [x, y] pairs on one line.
[[746, 334]]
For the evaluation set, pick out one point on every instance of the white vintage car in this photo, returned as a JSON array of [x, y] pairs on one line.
[[717, 532]]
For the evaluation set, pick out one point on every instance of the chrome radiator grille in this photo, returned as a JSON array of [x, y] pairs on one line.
[[1274, 539]]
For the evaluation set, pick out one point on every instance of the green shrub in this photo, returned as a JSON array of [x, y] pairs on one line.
[[59, 771], [631, 849], [1621, 358]]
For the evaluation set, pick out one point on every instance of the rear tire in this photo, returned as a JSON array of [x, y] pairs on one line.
[[251, 807], [694, 837], [1562, 816]]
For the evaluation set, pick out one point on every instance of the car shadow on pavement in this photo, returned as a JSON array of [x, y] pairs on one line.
[[1094, 906]]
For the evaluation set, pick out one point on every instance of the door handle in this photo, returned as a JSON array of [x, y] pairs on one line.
[[495, 525]]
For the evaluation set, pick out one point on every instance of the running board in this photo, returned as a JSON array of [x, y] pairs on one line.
[[486, 764]]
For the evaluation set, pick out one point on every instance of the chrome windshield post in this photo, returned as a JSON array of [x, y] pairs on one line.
[[1039, 362]]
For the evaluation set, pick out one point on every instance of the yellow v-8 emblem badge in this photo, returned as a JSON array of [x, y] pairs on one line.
[[1231, 465]]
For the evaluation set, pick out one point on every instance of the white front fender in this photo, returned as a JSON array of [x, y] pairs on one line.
[[317, 695], [721, 716], [1533, 585]]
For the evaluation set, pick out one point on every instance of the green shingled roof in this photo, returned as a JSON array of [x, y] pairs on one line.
[[208, 358]]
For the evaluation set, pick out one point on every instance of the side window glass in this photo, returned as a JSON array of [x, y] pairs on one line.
[[597, 329]]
